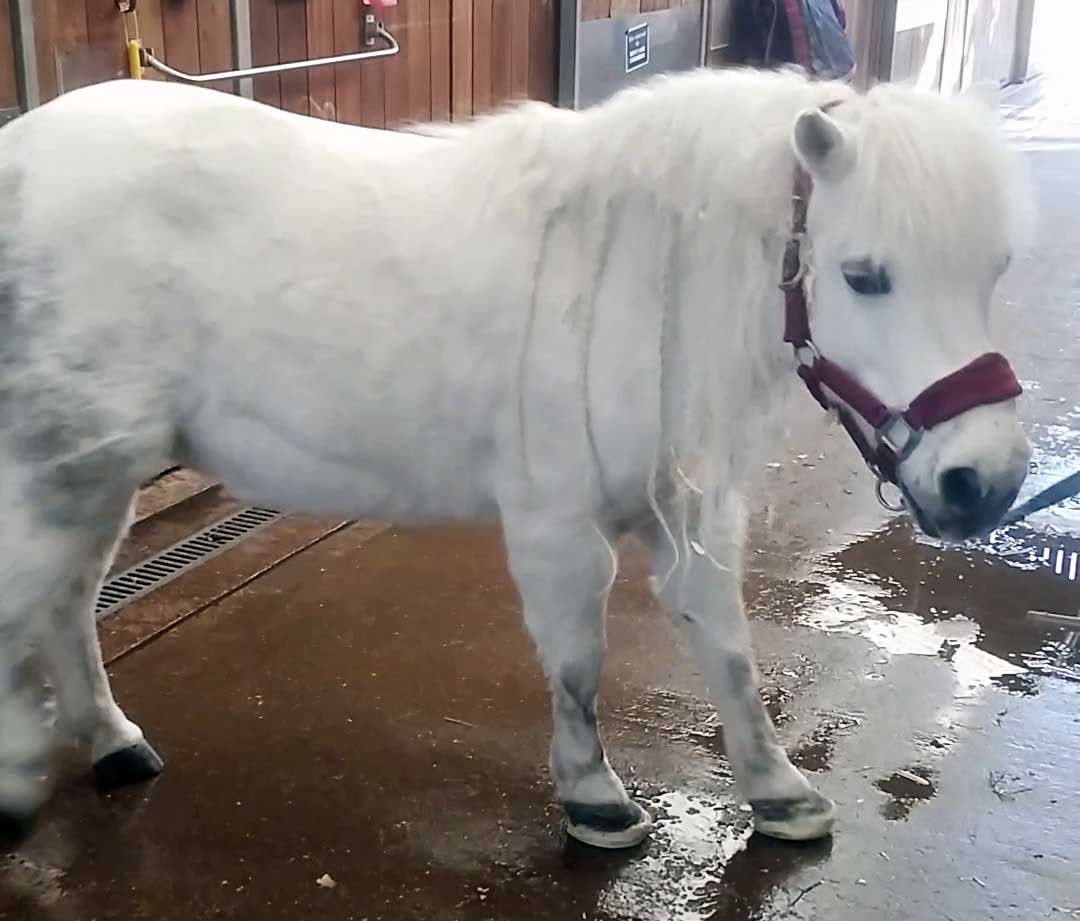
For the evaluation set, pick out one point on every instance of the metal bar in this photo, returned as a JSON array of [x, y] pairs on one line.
[[26, 68], [240, 16], [1025, 18], [569, 29], [239, 74], [706, 15]]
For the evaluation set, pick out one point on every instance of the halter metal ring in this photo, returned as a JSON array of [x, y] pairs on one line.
[[806, 353], [879, 491]]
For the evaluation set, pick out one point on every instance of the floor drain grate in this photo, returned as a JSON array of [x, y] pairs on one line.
[[155, 571], [1063, 561]]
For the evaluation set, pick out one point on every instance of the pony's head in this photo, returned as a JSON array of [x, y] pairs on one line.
[[912, 221]]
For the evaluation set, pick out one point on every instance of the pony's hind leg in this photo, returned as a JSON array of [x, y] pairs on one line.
[[62, 517], [563, 571], [37, 562], [69, 646]]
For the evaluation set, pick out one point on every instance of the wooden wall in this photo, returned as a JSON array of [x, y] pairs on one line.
[[605, 9], [458, 57], [8, 92]]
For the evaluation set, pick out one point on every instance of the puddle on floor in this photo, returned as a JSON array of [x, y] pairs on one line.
[[968, 605], [696, 837], [906, 788], [814, 752]]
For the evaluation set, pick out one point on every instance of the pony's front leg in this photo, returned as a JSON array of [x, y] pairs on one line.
[[702, 590], [563, 570]]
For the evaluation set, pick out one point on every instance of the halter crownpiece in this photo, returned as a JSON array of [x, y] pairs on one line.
[[885, 436]]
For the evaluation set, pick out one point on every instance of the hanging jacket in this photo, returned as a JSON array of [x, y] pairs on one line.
[[808, 33]]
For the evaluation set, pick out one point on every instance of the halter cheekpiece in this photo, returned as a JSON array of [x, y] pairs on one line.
[[885, 436]]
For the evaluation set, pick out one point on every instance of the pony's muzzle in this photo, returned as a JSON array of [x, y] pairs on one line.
[[966, 475]]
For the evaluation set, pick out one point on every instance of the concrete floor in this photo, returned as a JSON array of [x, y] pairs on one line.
[[362, 702]]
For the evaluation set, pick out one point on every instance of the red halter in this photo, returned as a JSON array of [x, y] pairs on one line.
[[884, 436]]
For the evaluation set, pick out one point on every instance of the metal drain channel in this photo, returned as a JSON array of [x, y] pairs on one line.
[[161, 568], [1064, 562]]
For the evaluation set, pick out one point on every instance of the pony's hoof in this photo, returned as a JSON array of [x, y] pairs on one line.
[[804, 819], [608, 826], [130, 765], [15, 828]]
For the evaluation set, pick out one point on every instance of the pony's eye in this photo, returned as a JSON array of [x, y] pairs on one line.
[[864, 276]]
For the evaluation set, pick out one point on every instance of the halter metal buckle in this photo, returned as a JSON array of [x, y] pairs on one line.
[[885, 437]]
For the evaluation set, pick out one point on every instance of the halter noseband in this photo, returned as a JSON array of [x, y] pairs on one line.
[[885, 437]]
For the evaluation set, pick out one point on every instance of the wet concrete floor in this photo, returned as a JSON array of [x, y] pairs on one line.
[[361, 705]]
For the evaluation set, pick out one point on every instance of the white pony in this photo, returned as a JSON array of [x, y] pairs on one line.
[[566, 322]]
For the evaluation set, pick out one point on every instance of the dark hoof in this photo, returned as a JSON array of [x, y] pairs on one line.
[[14, 829], [804, 819], [608, 825], [129, 765]]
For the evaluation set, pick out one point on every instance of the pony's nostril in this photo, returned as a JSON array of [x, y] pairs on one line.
[[961, 488]]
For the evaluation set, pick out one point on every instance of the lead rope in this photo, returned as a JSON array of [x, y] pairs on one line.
[[1053, 495]]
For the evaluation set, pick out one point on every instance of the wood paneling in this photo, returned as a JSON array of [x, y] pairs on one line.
[[180, 24], [152, 31], [482, 54], [458, 58], [59, 27], [543, 50], [416, 50], [501, 47], [215, 39], [9, 96], [519, 50], [264, 49], [461, 59], [395, 72], [292, 46], [348, 102], [441, 43], [320, 44], [596, 9]]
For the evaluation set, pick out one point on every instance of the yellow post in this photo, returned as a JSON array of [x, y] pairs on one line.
[[134, 54]]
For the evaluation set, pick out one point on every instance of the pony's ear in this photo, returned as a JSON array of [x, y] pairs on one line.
[[822, 146]]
